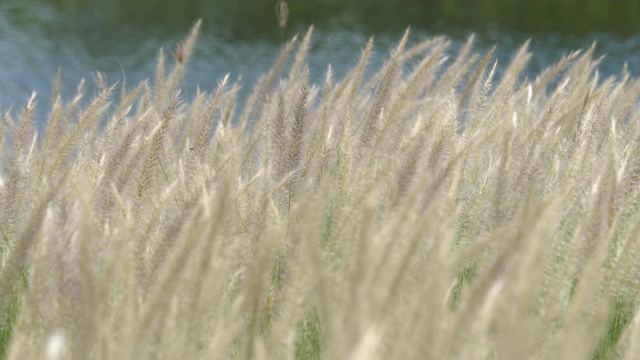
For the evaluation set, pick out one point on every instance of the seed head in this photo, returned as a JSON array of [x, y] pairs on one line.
[[282, 13], [179, 54]]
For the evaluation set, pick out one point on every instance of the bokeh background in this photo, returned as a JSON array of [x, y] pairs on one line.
[[121, 37]]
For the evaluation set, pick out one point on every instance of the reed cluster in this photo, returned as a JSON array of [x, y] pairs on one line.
[[426, 209]]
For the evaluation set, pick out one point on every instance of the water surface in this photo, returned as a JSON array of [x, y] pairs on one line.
[[121, 38]]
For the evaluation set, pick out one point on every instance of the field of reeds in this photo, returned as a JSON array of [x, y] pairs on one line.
[[428, 209]]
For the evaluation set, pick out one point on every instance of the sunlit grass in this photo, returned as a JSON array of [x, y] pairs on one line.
[[423, 210]]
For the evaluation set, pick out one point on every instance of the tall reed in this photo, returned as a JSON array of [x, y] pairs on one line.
[[438, 211]]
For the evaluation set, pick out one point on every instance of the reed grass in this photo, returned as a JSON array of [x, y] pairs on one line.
[[425, 211]]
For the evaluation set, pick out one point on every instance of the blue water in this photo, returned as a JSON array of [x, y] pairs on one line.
[[38, 37]]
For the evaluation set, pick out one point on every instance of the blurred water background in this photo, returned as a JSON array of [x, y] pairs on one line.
[[121, 38]]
